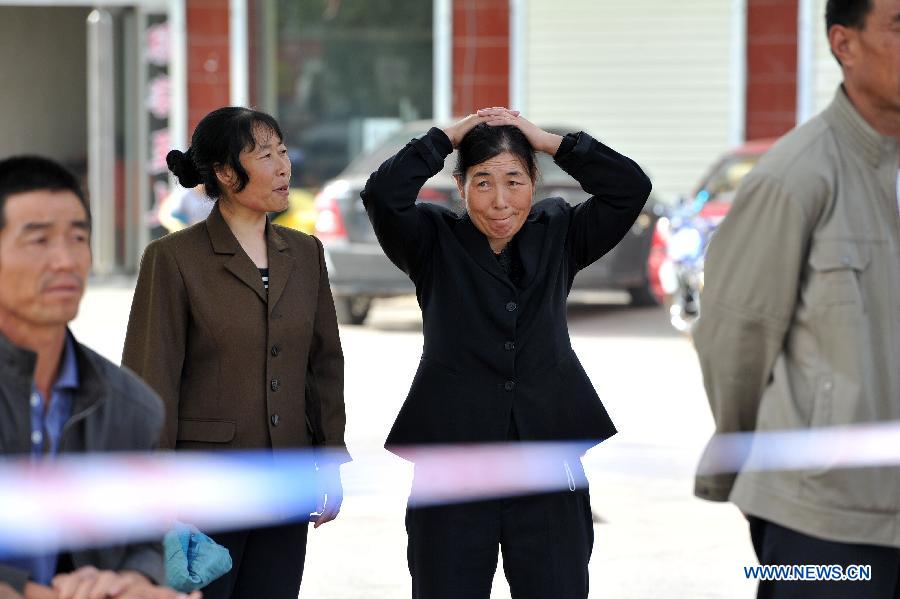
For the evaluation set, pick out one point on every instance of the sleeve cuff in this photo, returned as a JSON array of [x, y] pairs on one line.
[[572, 150], [714, 487], [146, 559], [14, 577], [334, 455], [566, 145], [434, 147]]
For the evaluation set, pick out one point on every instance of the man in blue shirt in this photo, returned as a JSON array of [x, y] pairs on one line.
[[57, 396]]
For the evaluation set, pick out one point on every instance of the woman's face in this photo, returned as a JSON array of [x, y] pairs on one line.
[[269, 172], [498, 194]]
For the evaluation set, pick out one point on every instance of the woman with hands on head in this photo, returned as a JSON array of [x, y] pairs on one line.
[[234, 326], [497, 363]]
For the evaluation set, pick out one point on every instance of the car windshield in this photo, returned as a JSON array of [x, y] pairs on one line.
[[366, 163]]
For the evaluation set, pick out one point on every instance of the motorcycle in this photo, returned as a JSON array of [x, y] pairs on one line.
[[687, 234]]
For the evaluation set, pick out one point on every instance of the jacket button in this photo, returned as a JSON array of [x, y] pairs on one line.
[[275, 350], [511, 307], [509, 385], [509, 345], [274, 385], [275, 419]]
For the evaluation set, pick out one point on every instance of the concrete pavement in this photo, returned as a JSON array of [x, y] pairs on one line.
[[653, 537]]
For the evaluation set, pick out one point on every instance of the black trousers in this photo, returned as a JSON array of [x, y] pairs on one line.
[[546, 542], [777, 545], [267, 562]]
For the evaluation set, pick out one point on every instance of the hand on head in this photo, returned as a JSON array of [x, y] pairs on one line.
[[539, 139]]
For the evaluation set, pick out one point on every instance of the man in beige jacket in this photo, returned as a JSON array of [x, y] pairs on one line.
[[801, 318]]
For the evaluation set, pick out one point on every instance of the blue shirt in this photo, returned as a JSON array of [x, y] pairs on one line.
[[47, 425], [46, 431]]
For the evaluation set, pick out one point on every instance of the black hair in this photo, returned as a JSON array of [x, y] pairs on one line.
[[22, 174], [484, 141], [218, 141], [849, 13]]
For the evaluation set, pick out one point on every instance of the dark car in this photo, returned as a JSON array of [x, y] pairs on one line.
[[359, 270]]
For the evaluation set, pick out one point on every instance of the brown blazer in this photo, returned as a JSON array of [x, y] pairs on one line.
[[235, 366]]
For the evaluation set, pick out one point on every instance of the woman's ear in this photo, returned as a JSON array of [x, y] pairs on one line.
[[225, 175], [460, 185]]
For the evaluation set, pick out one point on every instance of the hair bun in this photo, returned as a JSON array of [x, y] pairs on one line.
[[182, 166]]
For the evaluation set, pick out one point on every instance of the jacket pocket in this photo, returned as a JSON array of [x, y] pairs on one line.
[[833, 291], [206, 431], [835, 270]]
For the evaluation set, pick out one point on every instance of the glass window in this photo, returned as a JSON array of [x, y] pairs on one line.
[[349, 73]]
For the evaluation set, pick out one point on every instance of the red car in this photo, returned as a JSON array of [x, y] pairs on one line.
[[712, 197]]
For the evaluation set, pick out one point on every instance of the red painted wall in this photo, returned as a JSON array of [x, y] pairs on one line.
[[771, 67], [480, 54], [207, 58]]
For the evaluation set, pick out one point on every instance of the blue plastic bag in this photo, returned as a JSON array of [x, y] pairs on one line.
[[193, 560]]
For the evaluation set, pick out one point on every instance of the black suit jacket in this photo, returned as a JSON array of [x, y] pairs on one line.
[[494, 351]]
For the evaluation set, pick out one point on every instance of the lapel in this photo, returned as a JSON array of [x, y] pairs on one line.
[[478, 248], [236, 260], [530, 240], [281, 264], [92, 388]]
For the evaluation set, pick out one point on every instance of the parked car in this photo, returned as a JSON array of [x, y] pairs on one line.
[[685, 231], [300, 213], [185, 207], [360, 272]]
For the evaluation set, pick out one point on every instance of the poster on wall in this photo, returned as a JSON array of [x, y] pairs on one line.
[[158, 98]]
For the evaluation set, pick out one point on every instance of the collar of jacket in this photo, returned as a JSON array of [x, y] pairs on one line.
[[20, 363], [16, 360], [238, 263], [530, 240], [854, 129]]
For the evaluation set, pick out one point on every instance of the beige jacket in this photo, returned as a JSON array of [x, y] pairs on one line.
[[801, 321]]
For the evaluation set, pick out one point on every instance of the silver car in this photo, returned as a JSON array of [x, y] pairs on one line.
[[360, 272]]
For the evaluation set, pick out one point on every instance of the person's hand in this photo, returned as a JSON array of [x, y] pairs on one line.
[[149, 591], [458, 130], [330, 494], [90, 583], [7, 592], [539, 139]]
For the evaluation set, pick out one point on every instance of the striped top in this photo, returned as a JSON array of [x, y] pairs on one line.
[[264, 273]]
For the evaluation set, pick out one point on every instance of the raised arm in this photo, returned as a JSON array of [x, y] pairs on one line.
[[618, 187], [390, 194]]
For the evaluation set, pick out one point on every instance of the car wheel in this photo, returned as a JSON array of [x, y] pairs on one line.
[[352, 309], [642, 297]]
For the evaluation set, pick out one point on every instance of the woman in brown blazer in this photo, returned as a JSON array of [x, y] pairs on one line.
[[233, 324]]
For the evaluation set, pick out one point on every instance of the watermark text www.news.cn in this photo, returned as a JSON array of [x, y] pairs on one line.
[[810, 572]]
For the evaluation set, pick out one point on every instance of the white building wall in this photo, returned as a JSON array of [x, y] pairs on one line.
[[651, 78], [826, 72], [43, 78]]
